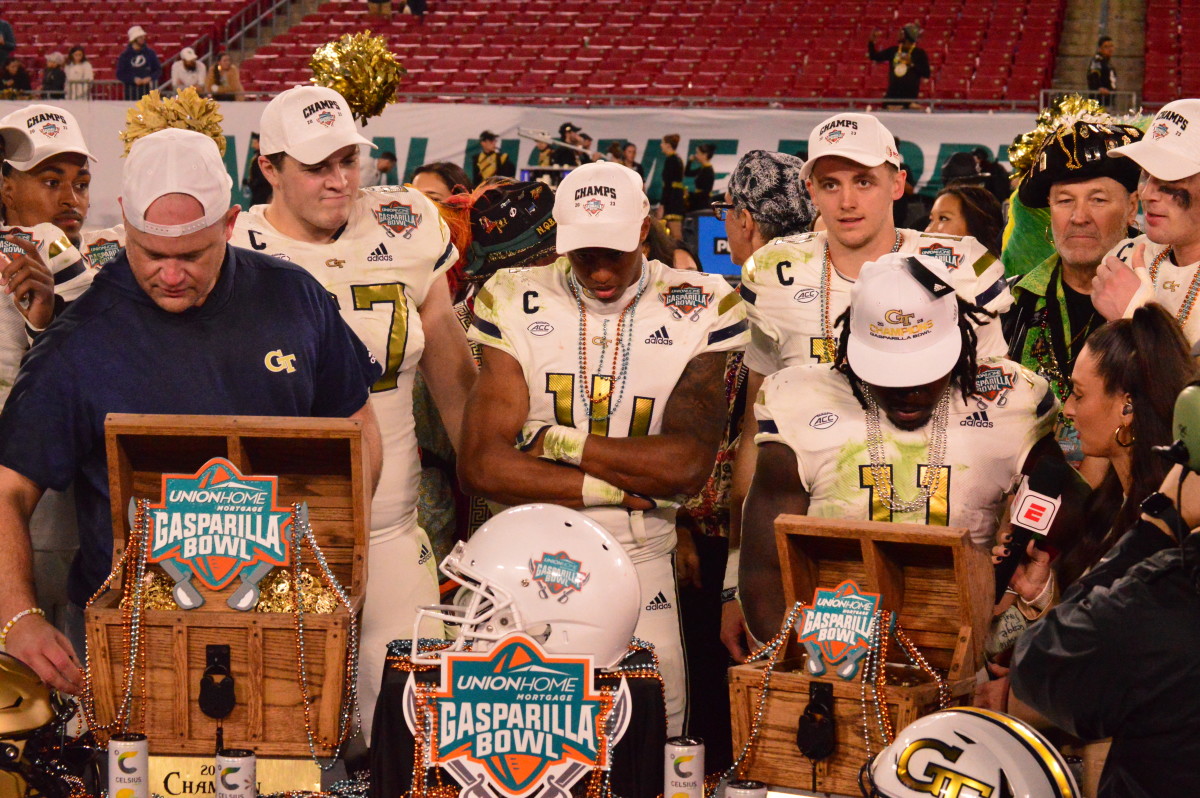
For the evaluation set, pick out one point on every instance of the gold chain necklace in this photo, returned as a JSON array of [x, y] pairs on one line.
[[827, 289], [936, 456]]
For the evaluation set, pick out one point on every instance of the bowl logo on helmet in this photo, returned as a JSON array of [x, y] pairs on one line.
[[836, 630], [519, 718], [938, 779], [557, 575]]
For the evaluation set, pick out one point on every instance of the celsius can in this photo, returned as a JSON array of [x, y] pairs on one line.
[[235, 775], [683, 768], [746, 789], [128, 766]]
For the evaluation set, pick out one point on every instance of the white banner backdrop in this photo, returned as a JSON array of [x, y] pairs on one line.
[[421, 133]]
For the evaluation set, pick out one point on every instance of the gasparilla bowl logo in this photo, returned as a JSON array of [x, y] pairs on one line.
[[558, 575], [398, 217], [685, 299], [992, 382], [12, 249], [945, 254], [836, 630], [102, 251], [326, 118], [218, 522], [1159, 131], [518, 719]]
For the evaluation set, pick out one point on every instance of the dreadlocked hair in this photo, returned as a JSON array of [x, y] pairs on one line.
[[965, 368]]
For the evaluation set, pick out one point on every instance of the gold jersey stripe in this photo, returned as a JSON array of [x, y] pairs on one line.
[[984, 263], [730, 300]]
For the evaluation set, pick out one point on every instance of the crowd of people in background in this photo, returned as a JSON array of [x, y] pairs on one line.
[[1066, 340], [139, 68]]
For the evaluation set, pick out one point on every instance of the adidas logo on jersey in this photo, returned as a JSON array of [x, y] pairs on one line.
[[976, 419], [660, 336], [425, 555], [659, 602], [380, 253]]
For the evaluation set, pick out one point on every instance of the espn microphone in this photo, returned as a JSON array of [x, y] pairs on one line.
[[1033, 510]]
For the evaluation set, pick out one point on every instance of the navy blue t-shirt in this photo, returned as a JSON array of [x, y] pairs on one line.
[[115, 351]]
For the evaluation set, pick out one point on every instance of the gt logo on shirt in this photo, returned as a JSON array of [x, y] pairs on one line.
[[277, 361]]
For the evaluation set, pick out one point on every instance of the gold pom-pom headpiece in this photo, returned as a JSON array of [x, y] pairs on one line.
[[188, 111], [1063, 112], [360, 68]]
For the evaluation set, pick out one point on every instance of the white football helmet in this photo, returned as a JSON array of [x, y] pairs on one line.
[[545, 570], [965, 752]]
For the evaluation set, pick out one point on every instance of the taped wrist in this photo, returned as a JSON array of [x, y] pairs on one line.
[[597, 492], [564, 444]]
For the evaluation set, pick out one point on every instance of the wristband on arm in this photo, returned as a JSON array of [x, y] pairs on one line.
[[564, 444], [597, 492]]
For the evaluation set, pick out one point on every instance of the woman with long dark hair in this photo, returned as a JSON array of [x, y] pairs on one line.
[[968, 211], [1123, 392], [1124, 385]]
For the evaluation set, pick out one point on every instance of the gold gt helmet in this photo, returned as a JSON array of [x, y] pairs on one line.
[[25, 703], [966, 751]]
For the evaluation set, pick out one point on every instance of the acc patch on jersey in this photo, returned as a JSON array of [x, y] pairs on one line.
[[992, 382], [945, 254], [398, 217], [686, 300]]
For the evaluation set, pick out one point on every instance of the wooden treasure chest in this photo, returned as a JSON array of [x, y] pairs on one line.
[[939, 588], [320, 462]]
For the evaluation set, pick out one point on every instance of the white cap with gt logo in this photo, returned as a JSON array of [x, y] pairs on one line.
[[309, 123], [903, 322]]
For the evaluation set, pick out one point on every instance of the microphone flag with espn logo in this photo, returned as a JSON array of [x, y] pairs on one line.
[[1034, 508]]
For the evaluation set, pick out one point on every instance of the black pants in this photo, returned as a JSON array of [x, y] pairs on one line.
[[707, 659]]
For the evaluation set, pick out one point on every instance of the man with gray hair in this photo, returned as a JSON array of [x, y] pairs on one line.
[[179, 322], [765, 200]]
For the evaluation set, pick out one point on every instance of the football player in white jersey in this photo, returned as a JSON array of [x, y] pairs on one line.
[[907, 426], [795, 287], [1162, 265], [614, 366], [383, 253], [46, 182]]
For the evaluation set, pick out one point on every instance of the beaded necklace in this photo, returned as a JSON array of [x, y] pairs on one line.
[[936, 456], [1185, 309], [622, 349], [827, 289]]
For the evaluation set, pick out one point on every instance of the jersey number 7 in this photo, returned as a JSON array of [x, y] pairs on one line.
[[366, 297]]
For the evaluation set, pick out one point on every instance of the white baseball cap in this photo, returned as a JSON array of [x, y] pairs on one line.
[[187, 54], [600, 204], [309, 123], [36, 132], [1168, 151], [903, 322], [136, 32], [859, 137], [174, 161]]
